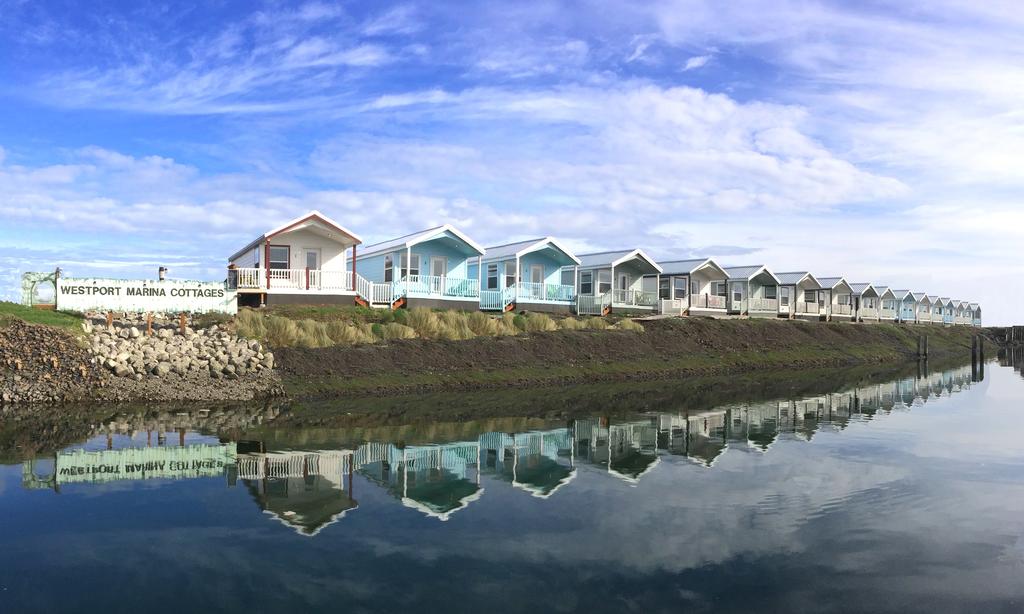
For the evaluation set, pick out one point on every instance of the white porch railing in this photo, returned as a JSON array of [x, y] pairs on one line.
[[887, 314], [707, 301], [840, 309], [435, 285], [634, 298], [548, 293], [806, 308], [593, 305], [376, 294], [764, 304], [870, 313], [497, 300], [291, 279]]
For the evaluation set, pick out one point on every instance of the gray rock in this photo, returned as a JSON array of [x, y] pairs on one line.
[[124, 371], [162, 369]]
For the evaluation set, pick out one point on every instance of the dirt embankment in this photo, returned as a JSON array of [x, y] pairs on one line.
[[670, 347]]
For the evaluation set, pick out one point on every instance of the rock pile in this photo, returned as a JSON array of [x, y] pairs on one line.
[[42, 364], [127, 352]]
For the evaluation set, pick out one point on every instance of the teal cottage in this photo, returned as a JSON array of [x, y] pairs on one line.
[[536, 275]]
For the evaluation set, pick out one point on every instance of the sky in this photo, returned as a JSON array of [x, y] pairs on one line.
[[882, 142]]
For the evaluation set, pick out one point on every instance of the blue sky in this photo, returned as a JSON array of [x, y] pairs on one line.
[[876, 142]]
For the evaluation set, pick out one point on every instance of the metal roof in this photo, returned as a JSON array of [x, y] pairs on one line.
[[415, 238], [293, 224], [794, 277], [686, 267], [743, 273], [520, 248], [614, 258], [861, 288]]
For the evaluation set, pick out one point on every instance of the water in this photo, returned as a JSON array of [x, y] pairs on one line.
[[902, 494]]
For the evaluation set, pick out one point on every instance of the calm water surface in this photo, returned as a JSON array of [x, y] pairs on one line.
[[903, 495]]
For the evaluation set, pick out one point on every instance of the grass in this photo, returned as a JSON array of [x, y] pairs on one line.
[[325, 326], [69, 321]]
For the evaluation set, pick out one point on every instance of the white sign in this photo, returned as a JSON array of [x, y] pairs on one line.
[[142, 295]]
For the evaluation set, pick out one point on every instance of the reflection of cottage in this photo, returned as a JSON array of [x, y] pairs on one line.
[[759, 423], [305, 491], [437, 480], [628, 451], [539, 463], [706, 436]]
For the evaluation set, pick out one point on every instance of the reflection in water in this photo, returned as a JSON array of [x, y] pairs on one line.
[[310, 490]]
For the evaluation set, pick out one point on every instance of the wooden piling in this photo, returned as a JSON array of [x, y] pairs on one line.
[[181, 322], [149, 324], [110, 319]]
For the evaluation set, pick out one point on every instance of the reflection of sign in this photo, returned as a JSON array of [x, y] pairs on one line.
[[144, 463], [81, 294]]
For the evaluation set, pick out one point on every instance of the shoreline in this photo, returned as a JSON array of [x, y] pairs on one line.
[[667, 350]]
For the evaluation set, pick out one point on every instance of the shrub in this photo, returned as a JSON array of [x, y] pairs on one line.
[[348, 334], [401, 316], [571, 324], [250, 324], [540, 322], [281, 332], [506, 325], [629, 325], [454, 326], [519, 321], [424, 322], [597, 323], [482, 324], [393, 330], [313, 334], [386, 316], [378, 330]]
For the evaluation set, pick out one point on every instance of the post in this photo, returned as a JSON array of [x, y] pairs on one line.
[[181, 322], [353, 267], [307, 278], [110, 319], [149, 324], [926, 347], [266, 261]]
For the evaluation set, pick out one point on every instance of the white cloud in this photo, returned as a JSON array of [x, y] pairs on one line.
[[696, 62]]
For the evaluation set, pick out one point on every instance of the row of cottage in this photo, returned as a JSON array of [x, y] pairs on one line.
[[313, 259]]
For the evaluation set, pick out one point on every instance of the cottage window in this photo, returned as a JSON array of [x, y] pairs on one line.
[[604, 281], [810, 296], [842, 299], [510, 273], [679, 287], [737, 292], [718, 289], [784, 296], [587, 283], [492, 276], [414, 270], [771, 292], [279, 256], [665, 288], [568, 276], [694, 287], [389, 269]]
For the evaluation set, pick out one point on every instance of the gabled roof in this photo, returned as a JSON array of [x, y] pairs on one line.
[[946, 301], [615, 258], [521, 248], [743, 273], [834, 282], [883, 290], [303, 221], [688, 267], [975, 306], [791, 278], [416, 238], [903, 294], [920, 297], [932, 298], [861, 288]]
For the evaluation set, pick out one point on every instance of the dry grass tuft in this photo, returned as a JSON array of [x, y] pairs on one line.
[[629, 325], [539, 323]]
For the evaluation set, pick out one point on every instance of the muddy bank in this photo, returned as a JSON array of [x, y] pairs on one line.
[[668, 348]]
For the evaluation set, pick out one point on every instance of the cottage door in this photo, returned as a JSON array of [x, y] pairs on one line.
[[438, 273], [537, 281], [312, 258]]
